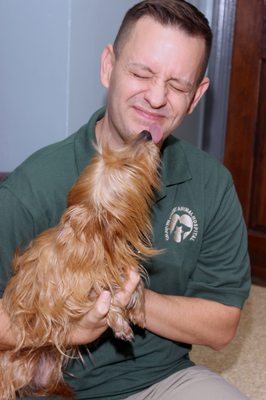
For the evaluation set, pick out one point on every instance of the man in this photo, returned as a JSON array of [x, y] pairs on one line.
[[154, 74]]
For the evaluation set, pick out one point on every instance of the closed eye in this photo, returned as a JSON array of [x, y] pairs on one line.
[[178, 89], [140, 76], [140, 71], [180, 85]]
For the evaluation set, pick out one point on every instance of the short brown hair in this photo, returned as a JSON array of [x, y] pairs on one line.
[[178, 13]]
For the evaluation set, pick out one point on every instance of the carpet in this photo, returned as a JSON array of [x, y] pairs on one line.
[[243, 361]]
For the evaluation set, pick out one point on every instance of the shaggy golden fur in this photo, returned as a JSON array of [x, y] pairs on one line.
[[102, 235]]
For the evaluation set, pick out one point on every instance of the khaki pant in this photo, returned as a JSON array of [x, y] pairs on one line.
[[194, 383]]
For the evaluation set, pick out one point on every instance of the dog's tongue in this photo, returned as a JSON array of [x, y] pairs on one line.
[[156, 132]]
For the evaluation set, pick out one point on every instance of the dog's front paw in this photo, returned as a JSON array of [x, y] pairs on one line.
[[118, 322], [125, 334]]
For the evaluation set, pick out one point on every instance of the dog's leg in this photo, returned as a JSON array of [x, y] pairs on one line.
[[119, 319], [136, 306], [32, 373], [118, 322]]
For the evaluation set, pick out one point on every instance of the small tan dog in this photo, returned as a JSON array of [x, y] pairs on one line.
[[102, 235]]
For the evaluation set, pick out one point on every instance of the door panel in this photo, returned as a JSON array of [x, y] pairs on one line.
[[245, 147]]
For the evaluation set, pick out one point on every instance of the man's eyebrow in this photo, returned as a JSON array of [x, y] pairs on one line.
[[180, 81], [183, 82], [141, 66]]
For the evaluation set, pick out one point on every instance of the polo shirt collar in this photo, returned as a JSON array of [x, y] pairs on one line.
[[175, 167], [84, 143]]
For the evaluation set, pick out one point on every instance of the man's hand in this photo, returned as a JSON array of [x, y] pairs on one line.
[[94, 323]]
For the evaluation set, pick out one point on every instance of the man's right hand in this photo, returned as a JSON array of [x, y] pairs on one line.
[[94, 323]]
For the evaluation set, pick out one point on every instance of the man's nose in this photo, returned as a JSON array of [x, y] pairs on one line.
[[156, 94]]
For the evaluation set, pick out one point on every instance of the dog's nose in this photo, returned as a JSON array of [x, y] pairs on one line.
[[146, 135]]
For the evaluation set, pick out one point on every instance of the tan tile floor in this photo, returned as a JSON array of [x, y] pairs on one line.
[[243, 361]]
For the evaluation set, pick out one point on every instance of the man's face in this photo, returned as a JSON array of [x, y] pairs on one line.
[[154, 80]]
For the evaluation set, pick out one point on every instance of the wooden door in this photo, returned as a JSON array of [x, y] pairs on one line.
[[245, 147]]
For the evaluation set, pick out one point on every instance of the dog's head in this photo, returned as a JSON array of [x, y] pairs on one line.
[[138, 158], [116, 178]]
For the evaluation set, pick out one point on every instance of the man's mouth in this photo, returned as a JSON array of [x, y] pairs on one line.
[[148, 115]]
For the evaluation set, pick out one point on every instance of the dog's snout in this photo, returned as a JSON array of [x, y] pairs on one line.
[[142, 137], [146, 135]]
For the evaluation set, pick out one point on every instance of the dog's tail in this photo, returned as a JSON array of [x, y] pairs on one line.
[[32, 373]]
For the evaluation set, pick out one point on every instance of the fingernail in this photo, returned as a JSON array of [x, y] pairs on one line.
[[106, 295]]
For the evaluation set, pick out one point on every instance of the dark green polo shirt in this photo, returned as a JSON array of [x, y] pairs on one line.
[[197, 220]]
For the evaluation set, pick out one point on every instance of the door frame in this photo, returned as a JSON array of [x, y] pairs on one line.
[[219, 72]]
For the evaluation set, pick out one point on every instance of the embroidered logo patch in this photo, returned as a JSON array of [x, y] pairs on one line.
[[181, 225]]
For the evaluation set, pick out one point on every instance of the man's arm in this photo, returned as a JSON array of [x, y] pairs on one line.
[[183, 319], [191, 320]]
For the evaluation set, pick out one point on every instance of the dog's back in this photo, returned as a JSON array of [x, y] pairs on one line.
[[102, 235]]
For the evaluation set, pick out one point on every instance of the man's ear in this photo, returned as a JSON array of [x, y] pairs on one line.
[[107, 63], [201, 89]]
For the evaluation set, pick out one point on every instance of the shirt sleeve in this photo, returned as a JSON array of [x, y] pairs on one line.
[[16, 231], [222, 273]]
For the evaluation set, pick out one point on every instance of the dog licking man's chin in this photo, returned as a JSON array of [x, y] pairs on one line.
[[154, 133]]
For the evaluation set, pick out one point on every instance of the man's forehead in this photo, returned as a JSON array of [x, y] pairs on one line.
[[152, 44]]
